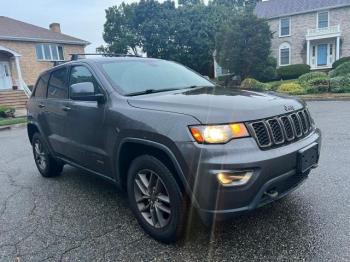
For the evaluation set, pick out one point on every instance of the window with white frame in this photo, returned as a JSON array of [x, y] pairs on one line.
[[284, 54], [49, 52], [323, 19], [285, 26]]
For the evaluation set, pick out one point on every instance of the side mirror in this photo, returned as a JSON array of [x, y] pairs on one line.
[[207, 77], [85, 91]]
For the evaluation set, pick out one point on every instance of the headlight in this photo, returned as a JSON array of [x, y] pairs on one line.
[[218, 134]]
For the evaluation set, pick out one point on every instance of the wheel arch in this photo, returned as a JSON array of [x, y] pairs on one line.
[[130, 148]]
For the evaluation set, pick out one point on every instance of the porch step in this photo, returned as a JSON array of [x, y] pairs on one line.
[[13, 98]]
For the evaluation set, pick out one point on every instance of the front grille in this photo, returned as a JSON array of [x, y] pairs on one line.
[[281, 130]]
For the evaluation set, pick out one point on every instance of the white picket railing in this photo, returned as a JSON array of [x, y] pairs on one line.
[[323, 31], [25, 88]]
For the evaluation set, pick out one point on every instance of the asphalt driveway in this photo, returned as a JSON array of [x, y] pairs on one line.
[[80, 217]]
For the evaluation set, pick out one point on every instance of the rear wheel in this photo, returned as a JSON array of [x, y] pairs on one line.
[[156, 199], [46, 164]]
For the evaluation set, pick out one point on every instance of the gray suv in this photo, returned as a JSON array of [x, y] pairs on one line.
[[170, 138]]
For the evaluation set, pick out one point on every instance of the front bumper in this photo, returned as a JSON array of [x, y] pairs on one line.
[[274, 169]]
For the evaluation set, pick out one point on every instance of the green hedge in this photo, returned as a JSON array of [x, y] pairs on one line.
[[341, 61], [340, 84], [251, 83], [341, 70], [292, 71], [306, 78]]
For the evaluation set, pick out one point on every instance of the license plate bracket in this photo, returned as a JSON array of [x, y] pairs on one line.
[[307, 158]]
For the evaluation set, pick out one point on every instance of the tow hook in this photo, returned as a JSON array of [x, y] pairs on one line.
[[271, 193]]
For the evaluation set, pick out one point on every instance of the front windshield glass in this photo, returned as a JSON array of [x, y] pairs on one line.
[[133, 76]]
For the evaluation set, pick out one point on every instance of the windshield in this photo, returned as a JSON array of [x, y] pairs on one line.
[[133, 76]]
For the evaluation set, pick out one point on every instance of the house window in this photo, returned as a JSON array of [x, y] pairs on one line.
[[285, 26], [284, 54], [323, 19], [49, 52]]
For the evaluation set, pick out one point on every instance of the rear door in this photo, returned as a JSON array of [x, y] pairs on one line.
[[85, 125], [57, 98], [37, 103]]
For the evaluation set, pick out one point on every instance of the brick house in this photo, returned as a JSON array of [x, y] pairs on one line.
[[313, 32], [25, 51]]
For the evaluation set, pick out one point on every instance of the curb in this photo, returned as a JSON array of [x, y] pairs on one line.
[[3, 128], [326, 98]]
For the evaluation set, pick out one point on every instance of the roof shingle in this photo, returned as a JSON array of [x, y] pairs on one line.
[[11, 29], [278, 8]]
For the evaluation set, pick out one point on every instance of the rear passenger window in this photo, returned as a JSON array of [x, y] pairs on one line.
[[80, 74], [41, 87], [57, 84]]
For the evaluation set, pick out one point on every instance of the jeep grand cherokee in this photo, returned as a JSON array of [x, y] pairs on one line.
[[172, 139]]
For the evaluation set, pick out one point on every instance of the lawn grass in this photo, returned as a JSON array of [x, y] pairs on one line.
[[275, 84], [12, 121]]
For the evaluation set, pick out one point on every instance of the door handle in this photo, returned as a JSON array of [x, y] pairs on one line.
[[66, 108], [41, 106]]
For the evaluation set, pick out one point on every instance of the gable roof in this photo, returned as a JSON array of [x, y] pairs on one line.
[[278, 8], [11, 29]]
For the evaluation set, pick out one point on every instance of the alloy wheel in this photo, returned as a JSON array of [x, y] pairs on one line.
[[152, 198], [40, 155]]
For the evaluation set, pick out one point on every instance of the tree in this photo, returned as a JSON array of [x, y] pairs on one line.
[[243, 46], [185, 34]]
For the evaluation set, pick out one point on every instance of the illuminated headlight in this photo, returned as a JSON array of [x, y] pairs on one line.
[[218, 134], [234, 178]]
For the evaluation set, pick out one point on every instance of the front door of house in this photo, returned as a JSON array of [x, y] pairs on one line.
[[5, 76], [322, 54]]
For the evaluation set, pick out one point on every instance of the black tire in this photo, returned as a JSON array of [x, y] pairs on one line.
[[173, 224], [46, 164]]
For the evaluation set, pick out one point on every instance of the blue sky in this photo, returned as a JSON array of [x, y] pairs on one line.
[[80, 18]]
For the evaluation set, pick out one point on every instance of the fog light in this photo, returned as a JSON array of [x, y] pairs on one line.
[[234, 178]]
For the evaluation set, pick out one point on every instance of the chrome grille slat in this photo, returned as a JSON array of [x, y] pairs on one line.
[[276, 131]]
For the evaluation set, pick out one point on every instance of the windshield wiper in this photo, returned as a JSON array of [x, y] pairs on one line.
[[151, 91]]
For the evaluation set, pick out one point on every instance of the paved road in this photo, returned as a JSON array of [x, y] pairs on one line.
[[80, 217]]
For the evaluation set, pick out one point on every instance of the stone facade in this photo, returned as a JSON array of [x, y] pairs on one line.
[[300, 23], [30, 66]]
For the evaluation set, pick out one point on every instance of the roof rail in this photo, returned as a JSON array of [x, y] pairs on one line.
[[76, 56]]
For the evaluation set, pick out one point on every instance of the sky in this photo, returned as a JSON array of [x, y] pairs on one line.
[[79, 18]]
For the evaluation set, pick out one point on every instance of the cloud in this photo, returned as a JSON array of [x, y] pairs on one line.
[[79, 18]]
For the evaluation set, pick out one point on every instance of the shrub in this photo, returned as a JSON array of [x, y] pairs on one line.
[[251, 83], [7, 111], [341, 70], [341, 61], [306, 78], [291, 89], [340, 84], [292, 71], [317, 85]]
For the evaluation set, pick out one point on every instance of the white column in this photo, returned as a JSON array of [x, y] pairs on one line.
[[338, 49], [19, 73], [308, 52]]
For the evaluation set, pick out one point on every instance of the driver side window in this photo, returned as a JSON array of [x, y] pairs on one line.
[[80, 74]]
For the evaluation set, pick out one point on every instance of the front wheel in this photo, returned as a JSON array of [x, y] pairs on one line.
[[156, 199], [46, 164]]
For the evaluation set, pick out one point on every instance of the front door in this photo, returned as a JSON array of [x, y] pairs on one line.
[[322, 55], [85, 129], [5, 76]]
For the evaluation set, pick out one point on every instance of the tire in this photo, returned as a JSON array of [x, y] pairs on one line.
[[46, 164], [162, 226]]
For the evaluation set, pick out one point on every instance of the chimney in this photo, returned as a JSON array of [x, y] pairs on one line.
[[55, 27]]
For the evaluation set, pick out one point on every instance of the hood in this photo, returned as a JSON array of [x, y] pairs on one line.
[[215, 105]]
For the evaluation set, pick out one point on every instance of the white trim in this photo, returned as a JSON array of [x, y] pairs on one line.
[[285, 45], [328, 18], [280, 26], [48, 59], [2, 48], [46, 40]]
